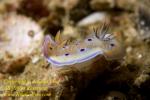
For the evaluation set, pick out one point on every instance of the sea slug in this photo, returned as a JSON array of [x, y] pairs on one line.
[[101, 42]]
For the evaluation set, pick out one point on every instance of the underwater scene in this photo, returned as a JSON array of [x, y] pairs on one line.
[[74, 49]]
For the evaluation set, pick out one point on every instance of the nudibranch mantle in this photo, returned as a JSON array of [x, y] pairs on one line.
[[61, 53]]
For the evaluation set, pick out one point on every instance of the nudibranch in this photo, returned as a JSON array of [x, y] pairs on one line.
[[60, 52]]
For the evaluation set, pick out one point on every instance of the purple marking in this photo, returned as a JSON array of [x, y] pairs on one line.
[[67, 54], [82, 50], [89, 39], [112, 44]]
